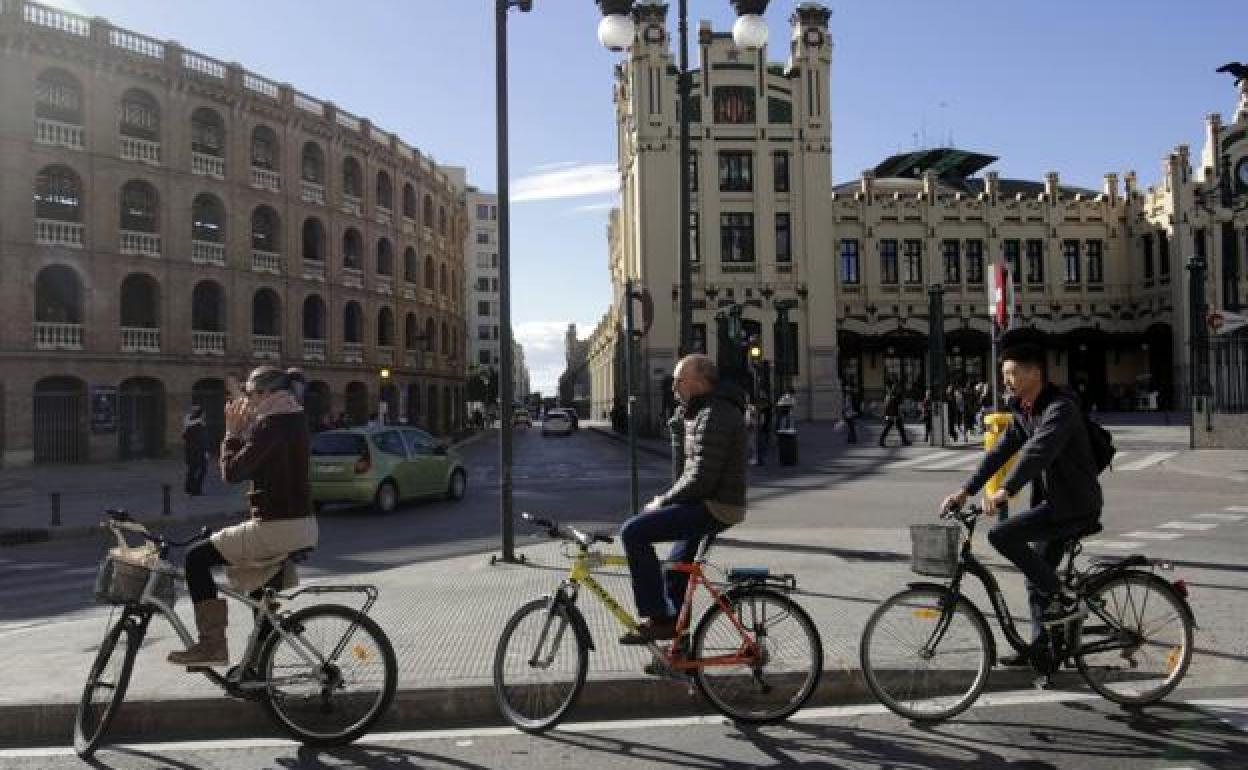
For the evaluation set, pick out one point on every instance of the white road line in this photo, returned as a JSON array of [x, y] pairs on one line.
[[1221, 516], [1122, 545], [1146, 461], [32, 566], [1147, 535], [913, 461], [1239, 508], [1190, 526], [1233, 711], [948, 464]]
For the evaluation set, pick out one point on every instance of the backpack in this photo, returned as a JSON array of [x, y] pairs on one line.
[[1102, 443]]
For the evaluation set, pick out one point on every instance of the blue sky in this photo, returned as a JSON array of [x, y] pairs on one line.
[[1077, 87]]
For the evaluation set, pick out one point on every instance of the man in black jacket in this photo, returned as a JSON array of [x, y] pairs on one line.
[[707, 496], [1055, 456]]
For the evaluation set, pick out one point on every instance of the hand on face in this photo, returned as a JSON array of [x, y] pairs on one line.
[[238, 415]]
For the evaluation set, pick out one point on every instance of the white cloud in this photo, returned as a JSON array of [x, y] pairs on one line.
[[593, 208], [545, 352], [559, 166], [570, 181]]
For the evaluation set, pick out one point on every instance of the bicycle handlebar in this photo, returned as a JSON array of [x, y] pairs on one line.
[[119, 521], [966, 516], [560, 532]]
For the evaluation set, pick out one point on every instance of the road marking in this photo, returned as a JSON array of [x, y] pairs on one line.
[[1191, 526], [1233, 712], [949, 463], [1239, 508], [1147, 461], [1221, 516], [1117, 544], [1016, 698], [1146, 535], [912, 461]]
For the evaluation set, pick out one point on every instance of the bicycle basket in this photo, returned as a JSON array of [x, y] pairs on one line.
[[121, 582], [934, 549]]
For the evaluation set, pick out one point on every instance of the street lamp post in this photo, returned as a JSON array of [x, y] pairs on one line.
[[1197, 341], [505, 397], [936, 364], [616, 32]]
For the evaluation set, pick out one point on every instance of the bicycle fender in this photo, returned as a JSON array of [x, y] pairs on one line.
[[971, 608], [579, 626]]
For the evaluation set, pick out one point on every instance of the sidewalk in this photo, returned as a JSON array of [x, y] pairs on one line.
[[86, 490], [817, 441]]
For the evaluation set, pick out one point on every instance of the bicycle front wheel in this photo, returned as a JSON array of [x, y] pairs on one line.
[[106, 683], [330, 676], [915, 669], [1136, 642], [777, 677], [539, 665]]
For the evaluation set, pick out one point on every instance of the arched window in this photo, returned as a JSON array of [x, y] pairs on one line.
[[443, 283], [266, 313], [385, 257], [352, 249], [454, 343], [313, 240], [385, 191], [314, 318], [207, 219], [140, 302], [352, 178], [430, 277], [58, 194], [139, 207], [58, 97], [265, 153], [431, 336], [411, 267], [446, 339], [426, 218], [409, 201], [207, 133], [208, 307], [353, 323], [441, 220], [58, 295], [312, 166], [265, 230], [140, 116], [385, 327], [411, 332]]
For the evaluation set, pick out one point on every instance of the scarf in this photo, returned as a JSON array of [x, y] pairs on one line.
[[277, 402]]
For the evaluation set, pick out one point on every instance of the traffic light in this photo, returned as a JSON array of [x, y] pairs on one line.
[[755, 350], [385, 373]]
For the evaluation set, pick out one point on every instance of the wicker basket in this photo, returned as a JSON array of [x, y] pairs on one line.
[[934, 549], [121, 582]]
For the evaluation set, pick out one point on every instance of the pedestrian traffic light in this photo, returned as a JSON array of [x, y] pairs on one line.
[[385, 373]]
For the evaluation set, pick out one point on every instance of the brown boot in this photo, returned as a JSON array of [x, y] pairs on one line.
[[212, 649]]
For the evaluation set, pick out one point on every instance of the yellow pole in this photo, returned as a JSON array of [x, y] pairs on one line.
[[995, 425]]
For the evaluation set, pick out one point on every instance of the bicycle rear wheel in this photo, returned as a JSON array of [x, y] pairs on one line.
[[539, 665], [106, 682], [1136, 642], [912, 676], [780, 678], [332, 678]]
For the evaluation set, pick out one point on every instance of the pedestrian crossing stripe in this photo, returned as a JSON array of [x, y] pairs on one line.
[[1239, 508], [1121, 545], [1146, 535], [914, 460], [952, 463], [1191, 526], [1147, 461], [1221, 516]]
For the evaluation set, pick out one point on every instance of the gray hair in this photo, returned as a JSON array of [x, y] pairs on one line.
[[266, 379], [703, 366]]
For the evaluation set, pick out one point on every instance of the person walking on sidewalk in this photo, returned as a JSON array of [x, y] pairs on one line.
[[751, 433], [706, 497], [266, 443], [1054, 450], [850, 409], [195, 450], [892, 417], [763, 439], [925, 413]]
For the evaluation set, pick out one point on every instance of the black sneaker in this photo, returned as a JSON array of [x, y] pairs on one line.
[[1062, 609], [651, 630], [1015, 660]]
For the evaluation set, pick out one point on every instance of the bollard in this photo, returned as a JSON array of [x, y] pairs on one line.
[[56, 508], [994, 425], [164, 501]]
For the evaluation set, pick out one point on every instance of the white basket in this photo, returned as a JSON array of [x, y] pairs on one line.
[[121, 582], [934, 549]]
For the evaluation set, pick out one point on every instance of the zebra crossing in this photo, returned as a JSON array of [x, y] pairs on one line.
[[965, 460], [33, 589], [1172, 531]]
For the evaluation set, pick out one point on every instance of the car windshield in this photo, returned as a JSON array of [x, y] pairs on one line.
[[338, 444]]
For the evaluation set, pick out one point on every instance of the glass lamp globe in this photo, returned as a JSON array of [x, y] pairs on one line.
[[750, 32], [616, 32]]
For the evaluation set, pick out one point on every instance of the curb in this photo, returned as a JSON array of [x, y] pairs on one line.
[[51, 724], [610, 434]]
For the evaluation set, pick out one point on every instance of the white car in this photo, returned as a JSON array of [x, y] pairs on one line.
[[557, 422]]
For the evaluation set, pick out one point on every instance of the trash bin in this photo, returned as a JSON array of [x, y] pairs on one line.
[[786, 446], [995, 424]]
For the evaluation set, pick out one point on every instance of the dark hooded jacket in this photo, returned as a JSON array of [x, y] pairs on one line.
[[708, 453]]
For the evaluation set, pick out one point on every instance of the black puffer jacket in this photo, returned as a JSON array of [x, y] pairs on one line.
[[708, 453]]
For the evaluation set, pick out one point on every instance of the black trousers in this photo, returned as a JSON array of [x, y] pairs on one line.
[[200, 559], [1034, 541], [894, 422], [195, 472]]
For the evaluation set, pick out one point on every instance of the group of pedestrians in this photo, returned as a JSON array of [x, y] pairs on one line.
[[966, 408]]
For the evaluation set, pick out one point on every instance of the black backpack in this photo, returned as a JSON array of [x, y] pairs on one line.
[[1102, 443]]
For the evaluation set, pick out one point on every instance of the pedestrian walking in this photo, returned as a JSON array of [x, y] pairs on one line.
[[849, 412], [751, 433], [892, 417], [195, 449], [925, 413], [763, 438], [971, 401], [953, 397]]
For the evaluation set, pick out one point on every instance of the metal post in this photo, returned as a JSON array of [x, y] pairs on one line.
[[634, 502], [936, 360], [686, 268], [55, 499], [165, 508], [1196, 337]]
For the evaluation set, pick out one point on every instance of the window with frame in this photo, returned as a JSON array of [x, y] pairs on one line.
[[850, 272], [695, 238], [483, 356], [483, 211], [58, 97], [952, 253], [1146, 247], [483, 238], [1163, 253], [1035, 260], [888, 262], [207, 133], [138, 207], [913, 253], [780, 171], [140, 116], [483, 284], [734, 104], [1096, 260], [58, 195], [779, 110], [784, 243], [698, 343], [736, 237], [1013, 262], [975, 261], [693, 171], [483, 332], [483, 308], [1070, 260], [483, 259], [264, 148], [736, 171]]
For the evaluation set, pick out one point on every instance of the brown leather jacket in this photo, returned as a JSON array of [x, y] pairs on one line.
[[275, 460]]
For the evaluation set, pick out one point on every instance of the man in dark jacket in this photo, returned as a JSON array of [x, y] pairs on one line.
[[707, 496], [195, 450], [1055, 456], [892, 417]]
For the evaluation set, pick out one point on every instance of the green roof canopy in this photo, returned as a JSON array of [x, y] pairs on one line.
[[947, 162]]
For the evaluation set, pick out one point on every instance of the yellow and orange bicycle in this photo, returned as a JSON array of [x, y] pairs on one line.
[[754, 654]]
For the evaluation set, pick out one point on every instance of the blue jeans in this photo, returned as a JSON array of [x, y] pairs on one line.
[[685, 524]]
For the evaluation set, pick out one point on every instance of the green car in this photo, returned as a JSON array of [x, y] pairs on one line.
[[383, 466]]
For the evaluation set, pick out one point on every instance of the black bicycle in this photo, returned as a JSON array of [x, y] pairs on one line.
[[926, 651], [325, 673]]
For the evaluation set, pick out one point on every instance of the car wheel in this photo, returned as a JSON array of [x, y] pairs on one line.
[[458, 485], [387, 497]]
